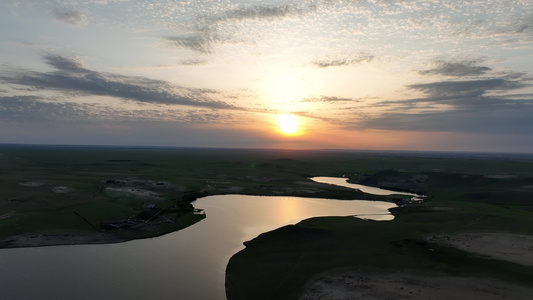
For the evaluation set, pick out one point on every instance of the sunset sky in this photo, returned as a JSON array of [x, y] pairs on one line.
[[375, 74]]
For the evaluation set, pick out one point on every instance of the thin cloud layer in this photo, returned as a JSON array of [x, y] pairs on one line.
[[23, 109], [69, 15], [341, 61], [469, 107], [449, 90], [205, 30], [327, 99], [515, 118]]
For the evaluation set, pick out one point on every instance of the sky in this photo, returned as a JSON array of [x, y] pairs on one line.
[[317, 74]]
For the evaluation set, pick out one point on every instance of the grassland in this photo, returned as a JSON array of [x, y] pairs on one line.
[[110, 194]]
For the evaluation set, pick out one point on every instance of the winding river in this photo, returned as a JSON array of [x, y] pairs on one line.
[[188, 264]]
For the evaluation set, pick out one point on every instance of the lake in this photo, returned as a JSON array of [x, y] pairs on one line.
[[188, 264]]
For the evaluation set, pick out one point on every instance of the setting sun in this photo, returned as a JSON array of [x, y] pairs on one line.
[[288, 124]]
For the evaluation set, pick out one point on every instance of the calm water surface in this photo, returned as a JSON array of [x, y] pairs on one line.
[[188, 264]]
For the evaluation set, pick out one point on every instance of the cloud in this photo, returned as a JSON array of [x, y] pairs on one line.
[[340, 61], [104, 2], [266, 12], [460, 68], [192, 62], [69, 15], [327, 99], [71, 77], [204, 31], [35, 109], [514, 119], [32, 109], [467, 108], [446, 90], [199, 42], [64, 64]]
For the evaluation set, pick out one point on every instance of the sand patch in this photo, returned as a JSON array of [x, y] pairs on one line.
[[503, 246], [377, 286]]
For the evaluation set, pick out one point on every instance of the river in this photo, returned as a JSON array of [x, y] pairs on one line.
[[187, 264]]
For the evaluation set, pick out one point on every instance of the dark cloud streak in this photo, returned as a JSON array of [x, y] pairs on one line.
[[205, 31], [470, 109], [32, 109], [343, 61], [327, 99], [69, 15], [199, 42], [71, 76], [510, 120], [446, 90], [461, 68]]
